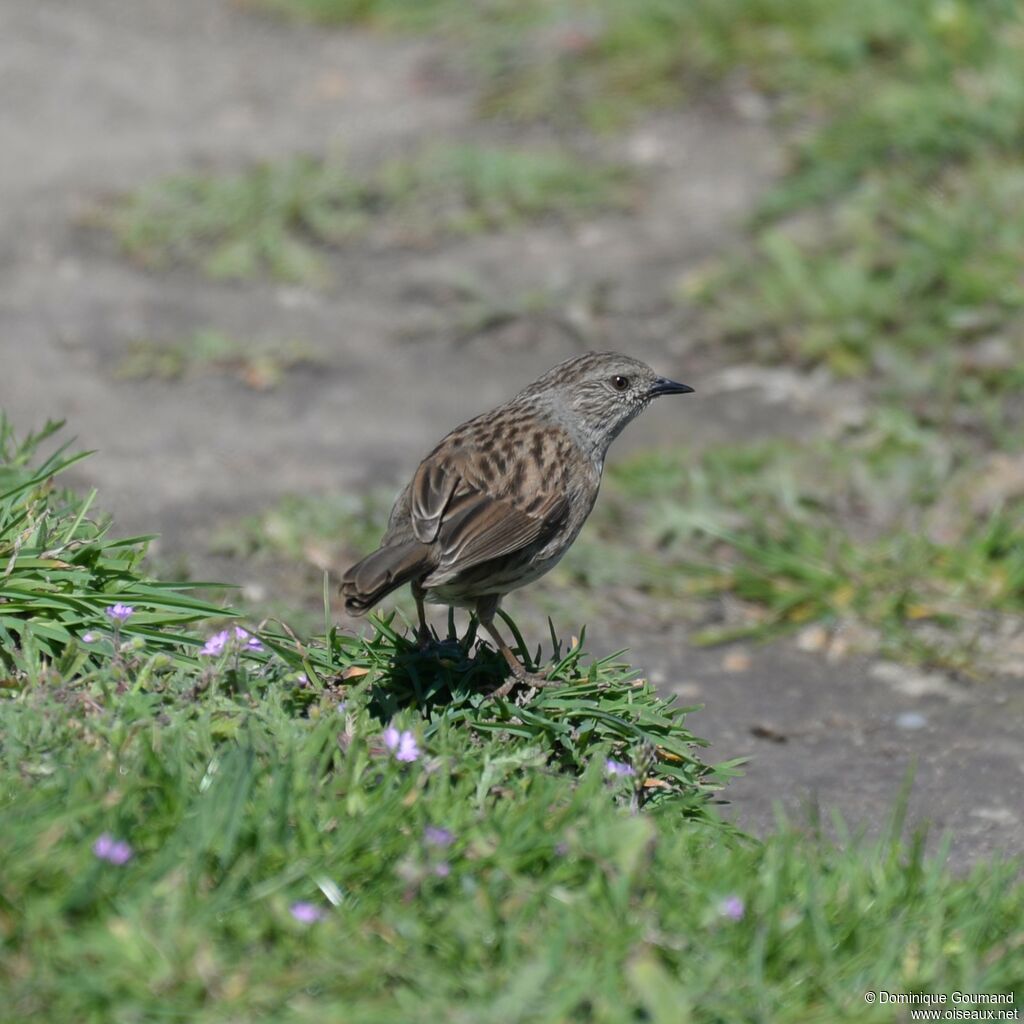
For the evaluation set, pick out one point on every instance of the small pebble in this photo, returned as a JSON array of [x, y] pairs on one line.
[[736, 661], [911, 720]]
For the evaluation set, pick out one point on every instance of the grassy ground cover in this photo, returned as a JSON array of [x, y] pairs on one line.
[[206, 824], [273, 218], [889, 255]]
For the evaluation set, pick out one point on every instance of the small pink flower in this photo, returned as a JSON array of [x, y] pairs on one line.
[[402, 744], [215, 645], [120, 612], [248, 641], [733, 908], [306, 913], [441, 837], [228, 638], [88, 638], [114, 851], [442, 869]]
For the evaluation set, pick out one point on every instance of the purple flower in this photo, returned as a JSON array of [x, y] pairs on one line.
[[401, 744], [301, 679], [219, 642], [306, 913], [733, 908], [442, 869], [441, 837], [120, 612], [88, 638], [613, 767], [249, 642], [114, 851], [215, 645]]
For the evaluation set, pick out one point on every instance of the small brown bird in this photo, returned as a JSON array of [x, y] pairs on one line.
[[499, 501]]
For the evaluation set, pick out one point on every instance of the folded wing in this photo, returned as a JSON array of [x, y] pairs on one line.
[[452, 506]]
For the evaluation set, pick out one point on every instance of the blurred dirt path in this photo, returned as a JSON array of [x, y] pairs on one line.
[[106, 95]]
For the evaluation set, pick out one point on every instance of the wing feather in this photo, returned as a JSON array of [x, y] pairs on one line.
[[470, 525], [432, 490]]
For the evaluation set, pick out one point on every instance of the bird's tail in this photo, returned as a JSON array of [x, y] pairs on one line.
[[372, 579]]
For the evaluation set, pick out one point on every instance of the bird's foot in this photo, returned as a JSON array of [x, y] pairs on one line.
[[535, 680]]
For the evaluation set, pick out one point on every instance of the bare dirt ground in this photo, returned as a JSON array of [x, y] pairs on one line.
[[103, 96]]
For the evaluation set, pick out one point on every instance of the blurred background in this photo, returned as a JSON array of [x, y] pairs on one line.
[[261, 254]]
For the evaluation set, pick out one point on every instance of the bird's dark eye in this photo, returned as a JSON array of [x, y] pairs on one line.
[[620, 383]]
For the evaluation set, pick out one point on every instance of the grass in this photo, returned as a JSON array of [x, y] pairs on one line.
[[233, 828], [255, 790], [205, 831], [320, 530], [259, 367], [918, 287], [874, 529], [887, 255], [866, 73], [236, 812], [275, 219], [889, 250], [61, 573]]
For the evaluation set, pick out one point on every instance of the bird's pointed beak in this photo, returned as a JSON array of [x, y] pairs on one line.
[[664, 386]]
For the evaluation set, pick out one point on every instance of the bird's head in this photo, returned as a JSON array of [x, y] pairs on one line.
[[597, 394]]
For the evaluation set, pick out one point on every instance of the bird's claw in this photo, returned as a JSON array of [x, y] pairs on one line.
[[535, 680]]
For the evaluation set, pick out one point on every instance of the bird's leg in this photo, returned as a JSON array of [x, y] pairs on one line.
[[423, 633], [485, 609]]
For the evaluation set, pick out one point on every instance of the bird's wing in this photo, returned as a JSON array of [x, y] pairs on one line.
[[450, 504], [430, 494]]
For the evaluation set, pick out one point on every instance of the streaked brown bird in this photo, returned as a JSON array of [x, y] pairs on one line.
[[499, 501]]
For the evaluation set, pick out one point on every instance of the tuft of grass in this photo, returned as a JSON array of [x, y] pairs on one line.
[[259, 367], [60, 573], [919, 286], [276, 218]]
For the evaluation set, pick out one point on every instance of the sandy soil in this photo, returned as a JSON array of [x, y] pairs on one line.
[[104, 95]]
